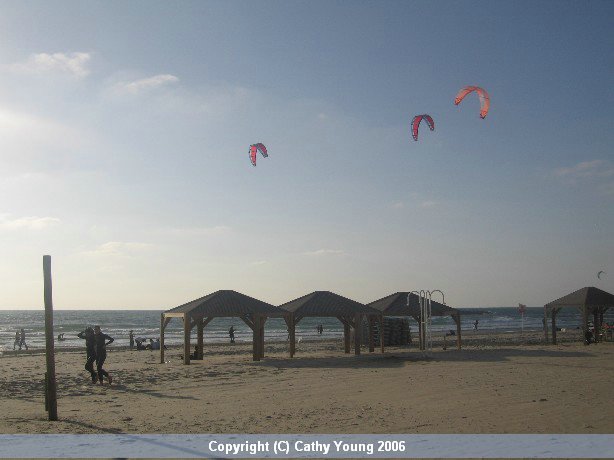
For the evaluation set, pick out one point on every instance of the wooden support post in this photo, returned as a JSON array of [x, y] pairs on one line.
[[256, 338], [546, 324], [584, 322], [554, 326], [51, 389], [381, 332], [292, 330], [346, 337], [596, 324], [162, 327], [420, 343], [357, 333], [186, 338], [200, 341], [371, 333], [262, 323]]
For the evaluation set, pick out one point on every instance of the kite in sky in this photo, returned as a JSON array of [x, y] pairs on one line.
[[483, 95], [599, 273], [415, 124], [253, 150]]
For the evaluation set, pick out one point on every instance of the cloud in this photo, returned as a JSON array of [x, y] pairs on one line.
[[598, 173], [74, 64], [428, 204], [119, 249], [324, 252], [398, 205], [586, 170], [258, 262], [145, 84], [27, 223], [199, 231]]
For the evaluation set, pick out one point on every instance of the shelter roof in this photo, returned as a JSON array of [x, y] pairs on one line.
[[396, 305], [226, 303], [326, 303], [590, 297]]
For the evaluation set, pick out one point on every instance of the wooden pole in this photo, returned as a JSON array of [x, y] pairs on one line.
[[546, 323], [420, 343], [554, 326], [51, 389], [381, 332], [262, 323], [200, 332], [162, 327], [186, 338], [256, 338], [371, 332], [346, 337], [596, 324], [357, 333], [292, 336]]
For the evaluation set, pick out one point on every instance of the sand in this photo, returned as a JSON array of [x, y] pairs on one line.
[[495, 384]]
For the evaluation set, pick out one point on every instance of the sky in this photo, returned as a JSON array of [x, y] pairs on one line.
[[125, 128]]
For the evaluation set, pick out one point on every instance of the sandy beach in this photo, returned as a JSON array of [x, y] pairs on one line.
[[495, 384]]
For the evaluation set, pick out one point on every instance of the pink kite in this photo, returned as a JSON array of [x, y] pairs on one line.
[[253, 150], [415, 124], [484, 98]]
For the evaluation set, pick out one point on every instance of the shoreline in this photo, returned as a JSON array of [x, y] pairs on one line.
[[480, 338]]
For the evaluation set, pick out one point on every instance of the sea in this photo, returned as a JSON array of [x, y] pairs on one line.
[[146, 324]]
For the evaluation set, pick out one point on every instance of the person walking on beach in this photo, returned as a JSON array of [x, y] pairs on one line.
[[22, 340], [231, 333], [101, 353], [475, 325], [16, 342], [131, 339], [90, 347]]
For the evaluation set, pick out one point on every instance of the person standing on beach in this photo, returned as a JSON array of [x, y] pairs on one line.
[[231, 333], [101, 353], [90, 346], [16, 342], [22, 340], [131, 339], [475, 325]]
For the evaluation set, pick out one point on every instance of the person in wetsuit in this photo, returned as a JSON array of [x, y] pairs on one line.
[[90, 346], [100, 340]]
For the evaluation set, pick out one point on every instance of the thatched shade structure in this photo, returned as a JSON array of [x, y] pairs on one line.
[[220, 304], [396, 305], [589, 300], [329, 304]]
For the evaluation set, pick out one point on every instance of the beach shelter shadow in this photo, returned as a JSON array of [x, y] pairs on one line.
[[326, 304], [408, 304], [589, 300], [220, 304]]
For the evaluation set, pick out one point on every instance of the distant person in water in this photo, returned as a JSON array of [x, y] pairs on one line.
[[475, 325], [22, 340], [16, 342], [231, 334], [102, 340], [131, 335], [90, 347], [61, 337], [320, 329]]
